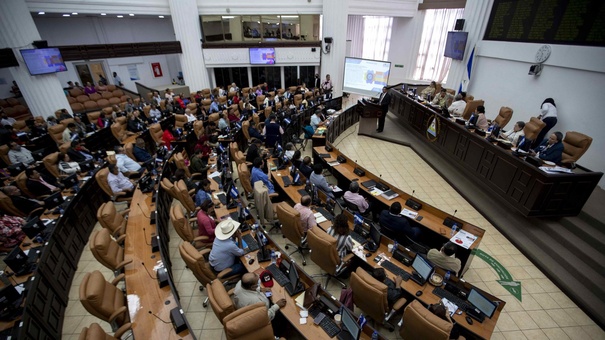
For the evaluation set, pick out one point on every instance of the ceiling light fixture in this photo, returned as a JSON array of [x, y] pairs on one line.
[[161, 16], [228, 17], [41, 13], [131, 14], [66, 15], [289, 16], [74, 13], [103, 13], [120, 16]]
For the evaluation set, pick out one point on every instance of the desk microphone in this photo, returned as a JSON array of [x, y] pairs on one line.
[[151, 217], [139, 205], [157, 317], [410, 202], [455, 211], [145, 233], [155, 246], [148, 273]]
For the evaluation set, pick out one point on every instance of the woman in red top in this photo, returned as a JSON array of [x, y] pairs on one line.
[[206, 224], [203, 144], [168, 137]]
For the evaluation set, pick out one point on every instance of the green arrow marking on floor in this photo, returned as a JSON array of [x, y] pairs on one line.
[[506, 280]]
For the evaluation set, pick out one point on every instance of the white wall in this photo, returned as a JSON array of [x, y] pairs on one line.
[[574, 76], [230, 57], [5, 89], [404, 47]]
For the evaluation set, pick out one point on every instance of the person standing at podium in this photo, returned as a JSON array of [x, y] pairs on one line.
[[384, 100]]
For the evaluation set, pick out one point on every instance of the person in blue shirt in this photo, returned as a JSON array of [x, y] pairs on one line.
[[320, 182], [214, 106], [140, 153], [258, 175], [204, 194], [227, 248], [308, 129], [550, 149]]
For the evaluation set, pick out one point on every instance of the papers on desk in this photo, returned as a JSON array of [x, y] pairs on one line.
[[84, 179], [376, 192], [408, 213], [390, 194], [334, 163], [319, 218], [464, 239], [451, 307], [555, 170], [20, 288], [215, 174], [336, 189]]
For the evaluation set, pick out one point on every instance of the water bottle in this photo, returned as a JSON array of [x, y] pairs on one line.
[[273, 257], [490, 128], [375, 335], [61, 210], [455, 229], [395, 244], [447, 276]]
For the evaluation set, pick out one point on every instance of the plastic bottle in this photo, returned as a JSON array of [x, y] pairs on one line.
[[447, 276], [395, 244], [455, 229], [273, 257], [375, 335]]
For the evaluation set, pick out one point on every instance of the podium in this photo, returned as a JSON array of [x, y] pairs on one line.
[[368, 116]]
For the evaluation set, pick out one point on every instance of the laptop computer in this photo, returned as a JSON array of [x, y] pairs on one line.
[[369, 184], [86, 166], [70, 181], [54, 200]]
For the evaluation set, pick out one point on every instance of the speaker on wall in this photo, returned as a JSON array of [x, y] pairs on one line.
[[40, 44], [459, 25]]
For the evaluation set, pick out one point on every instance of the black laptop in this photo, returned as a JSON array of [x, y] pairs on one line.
[[369, 184], [70, 181], [54, 200]]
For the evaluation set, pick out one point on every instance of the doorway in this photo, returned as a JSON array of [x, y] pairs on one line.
[[91, 72]]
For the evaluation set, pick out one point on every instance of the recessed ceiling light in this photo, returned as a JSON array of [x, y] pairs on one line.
[[66, 15], [289, 16], [161, 16], [131, 14], [229, 17], [120, 16], [103, 13], [74, 13], [258, 22], [41, 13]]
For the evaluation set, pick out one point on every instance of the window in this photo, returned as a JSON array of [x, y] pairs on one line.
[[269, 74], [290, 76], [306, 74], [217, 28], [431, 64], [226, 76], [377, 37]]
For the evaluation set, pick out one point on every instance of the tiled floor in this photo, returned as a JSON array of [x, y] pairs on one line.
[[544, 313]]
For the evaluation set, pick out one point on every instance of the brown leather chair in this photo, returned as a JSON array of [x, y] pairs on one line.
[[532, 128], [185, 197], [93, 117], [95, 332], [213, 117], [250, 322], [220, 301], [4, 149], [82, 98], [291, 228], [324, 253], [370, 295], [180, 121], [111, 219], [575, 145], [179, 161], [471, 107], [129, 151], [184, 228], [146, 110], [206, 104], [75, 92], [107, 251], [244, 177], [64, 147], [51, 163], [198, 128], [155, 130], [6, 205], [65, 122], [118, 129], [504, 116], [21, 183], [168, 186], [245, 127], [103, 299], [222, 100], [298, 99], [56, 133], [101, 178], [420, 323], [233, 149], [239, 158], [260, 100]]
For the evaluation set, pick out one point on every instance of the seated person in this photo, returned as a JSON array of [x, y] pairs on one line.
[[78, 153], [227, 248], [140, 151], [392, 220], [118, 182], [320, 182], [296, 161], [155, 113], [214, 107], [254, 151], [168, 137], [204, 193], [307, 217], [129, 107], [353, 196], [205, 222], [317, 120], [64, 115], [446, 257], [253, 132], [257, 174], [80, 126], [24, 204], [5, 119], [394, 290], [481, 120], [429, 90], [19, 154], [222, 122], [190, 116], [199, 163], [289, 150], [203, 145], [66, 166], [550, 149], [179, 174], [248, 292], [515, 133], [441, 311], [135, 123], [69, 133], [308, 129], [442, 98], [125, 164], [40, 185], [458, 106], [341, 232], [306, 167], [104, 120]]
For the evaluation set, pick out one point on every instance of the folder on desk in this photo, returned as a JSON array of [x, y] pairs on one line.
[[325, 155], [389, 194], [369, 184]]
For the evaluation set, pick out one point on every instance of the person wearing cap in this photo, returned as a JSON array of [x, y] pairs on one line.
[[227, 248], [248, 291]]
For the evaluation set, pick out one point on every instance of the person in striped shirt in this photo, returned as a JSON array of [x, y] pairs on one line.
[[340, 231]]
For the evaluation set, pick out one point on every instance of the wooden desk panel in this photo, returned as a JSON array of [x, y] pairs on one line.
[[138, 282], [522, 185]]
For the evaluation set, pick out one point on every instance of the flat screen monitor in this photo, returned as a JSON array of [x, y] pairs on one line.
[[16, 259], [375, 234], [43, 61], [422, 267], [262, 56], [293, 276], [33, 227], [366, 77], [483, 304], [8, 296], [349, 323], [455, 45], [70, 180]]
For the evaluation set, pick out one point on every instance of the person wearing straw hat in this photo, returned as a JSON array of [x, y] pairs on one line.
[[227, 248]]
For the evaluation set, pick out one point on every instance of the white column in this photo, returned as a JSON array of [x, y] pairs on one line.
[[43, 94], [186, 23], [475, 13], [335, 15]]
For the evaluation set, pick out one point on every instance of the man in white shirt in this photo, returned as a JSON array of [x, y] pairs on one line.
[[69, 132], [125, 164], [118, 183], [458, 106], [234, 88], [316, 120], [154, 113], [19, 154], [6, 120]]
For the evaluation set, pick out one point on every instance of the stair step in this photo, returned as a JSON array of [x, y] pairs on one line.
[[578, 246], [585, 230]]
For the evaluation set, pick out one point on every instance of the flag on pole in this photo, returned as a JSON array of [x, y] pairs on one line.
[[469, 67], [234, 193]]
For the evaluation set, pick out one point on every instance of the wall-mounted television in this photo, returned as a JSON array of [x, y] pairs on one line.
[[43, 61], [455, 45], [262, 56]]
